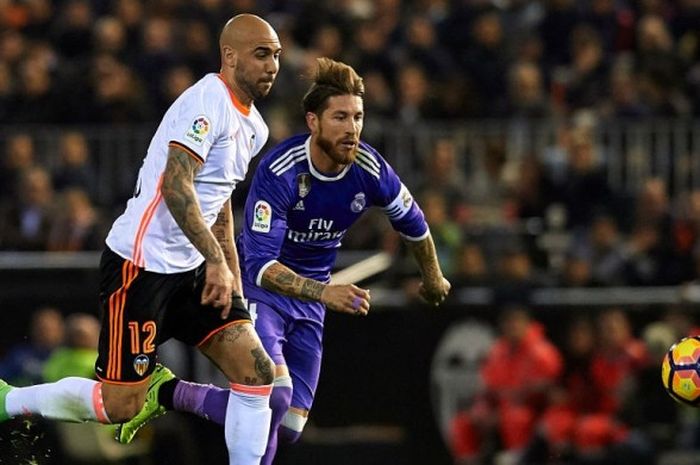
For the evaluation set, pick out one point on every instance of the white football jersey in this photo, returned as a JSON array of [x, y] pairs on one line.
[[214, 128]]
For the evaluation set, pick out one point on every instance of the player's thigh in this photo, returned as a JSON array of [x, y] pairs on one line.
[[237, 350], [133, 305], [303, 353]]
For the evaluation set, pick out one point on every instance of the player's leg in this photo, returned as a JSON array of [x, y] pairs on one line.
[[120, 393], [210, 402], [302, 354], [239, 354]]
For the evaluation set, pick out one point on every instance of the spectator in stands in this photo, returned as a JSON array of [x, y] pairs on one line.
[[72, 34], [77, 355], [442, 173], [576, 271], [19, 155], [527, 98], [489, 187], [24, 363], [118, 96], [602, 246], [470, 267], [77, 225], [533, 190], [584, 188], [518, 373], [414, 101], [25, 224], [485, 63], [75, 169], [587, 81], [446, 233]]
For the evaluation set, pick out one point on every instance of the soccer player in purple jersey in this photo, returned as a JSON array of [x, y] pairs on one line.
[[305, 195]]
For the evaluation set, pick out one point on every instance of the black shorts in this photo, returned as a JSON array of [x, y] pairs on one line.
[[142, 309]]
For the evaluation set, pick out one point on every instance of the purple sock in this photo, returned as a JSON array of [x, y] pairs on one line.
[[280, 400], [204, 400]]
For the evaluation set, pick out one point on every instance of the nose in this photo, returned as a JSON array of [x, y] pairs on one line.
[[272, 66]]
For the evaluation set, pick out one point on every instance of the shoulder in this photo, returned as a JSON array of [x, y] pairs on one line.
[[282, 157], [369, 159]]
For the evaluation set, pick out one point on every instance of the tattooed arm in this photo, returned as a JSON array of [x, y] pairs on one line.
[[223, 232], [434, 287], [180, 197], [346, 298]]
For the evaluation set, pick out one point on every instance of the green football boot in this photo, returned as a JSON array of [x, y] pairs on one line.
[[151, 408], [4, 389]]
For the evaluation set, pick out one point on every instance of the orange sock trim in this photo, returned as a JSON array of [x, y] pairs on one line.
[[99, 405], [265, 390]]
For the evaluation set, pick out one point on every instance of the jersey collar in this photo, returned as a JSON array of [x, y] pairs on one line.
[[317, 174], [234, 100]]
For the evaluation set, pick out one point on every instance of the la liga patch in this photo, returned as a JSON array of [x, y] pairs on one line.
[[198, 130]]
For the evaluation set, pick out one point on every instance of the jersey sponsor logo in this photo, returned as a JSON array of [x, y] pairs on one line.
[[141, 364], [300, 236], [262, 217], [358, 203], [199, 130], [303, 184]]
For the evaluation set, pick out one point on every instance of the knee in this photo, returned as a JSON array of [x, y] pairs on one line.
[[122, 408]]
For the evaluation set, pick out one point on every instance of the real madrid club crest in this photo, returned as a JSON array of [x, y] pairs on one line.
[[141, 364], [303, 184], [358, 203]]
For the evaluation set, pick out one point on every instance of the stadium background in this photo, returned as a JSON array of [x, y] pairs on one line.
[[554, 145]]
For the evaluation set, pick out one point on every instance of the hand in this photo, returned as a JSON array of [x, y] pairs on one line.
[[346, 298], [435, 292], [218, 287]]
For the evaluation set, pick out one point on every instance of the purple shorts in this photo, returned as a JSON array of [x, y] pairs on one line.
[[293, 337]]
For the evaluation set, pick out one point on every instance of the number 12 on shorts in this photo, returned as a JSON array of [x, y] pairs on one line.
[[149, 330]]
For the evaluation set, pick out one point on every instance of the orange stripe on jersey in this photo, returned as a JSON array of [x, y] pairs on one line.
[[187, 150], [143, 225], [234, 100]]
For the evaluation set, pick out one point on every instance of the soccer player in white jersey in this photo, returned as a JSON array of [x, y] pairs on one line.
[[170, 268]]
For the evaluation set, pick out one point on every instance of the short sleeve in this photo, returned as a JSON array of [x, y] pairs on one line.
[[197, 121]]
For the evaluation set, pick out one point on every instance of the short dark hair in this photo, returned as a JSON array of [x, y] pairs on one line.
[[330, 79]]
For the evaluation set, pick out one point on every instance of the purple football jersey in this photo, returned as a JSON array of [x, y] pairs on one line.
[[298, 216]]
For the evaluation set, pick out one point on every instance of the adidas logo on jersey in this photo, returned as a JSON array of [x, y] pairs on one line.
[[299, 206]]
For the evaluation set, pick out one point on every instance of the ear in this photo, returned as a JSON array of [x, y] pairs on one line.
[[312, 121], [229, 56]]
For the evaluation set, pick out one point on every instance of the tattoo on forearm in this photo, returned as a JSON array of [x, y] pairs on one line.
[[278, 278], [312, 289], [425, 255], [223, 232], [179, 195]]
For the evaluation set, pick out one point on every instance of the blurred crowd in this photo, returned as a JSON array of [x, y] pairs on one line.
[[124, 61], [586, 393]]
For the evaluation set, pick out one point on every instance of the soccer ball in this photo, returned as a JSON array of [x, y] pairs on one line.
[[680, 371]]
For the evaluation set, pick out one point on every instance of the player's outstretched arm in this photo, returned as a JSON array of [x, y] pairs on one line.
[[435, 287], [180, 197], [223, 231], [344, 298]]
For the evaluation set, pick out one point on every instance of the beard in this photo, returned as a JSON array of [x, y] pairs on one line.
[[255, 89], [336, 151]]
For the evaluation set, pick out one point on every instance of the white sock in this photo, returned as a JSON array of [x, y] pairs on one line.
[[70, 399], [247, 424]]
